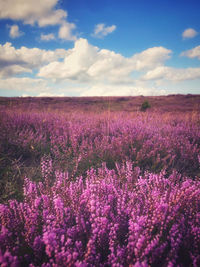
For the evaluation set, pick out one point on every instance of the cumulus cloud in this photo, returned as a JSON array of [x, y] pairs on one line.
[[65, 31], [192, 53], [151, 57], [14, 61], [42, 13], [101, 30], [55, 17], [15, 32], [97, 71], [189, 33], [87, 63], [32, 11], [172, 74], [47, 37], [75, 64]]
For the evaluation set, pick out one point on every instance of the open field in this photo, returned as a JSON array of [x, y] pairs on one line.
[[97, 182], [170, 103]]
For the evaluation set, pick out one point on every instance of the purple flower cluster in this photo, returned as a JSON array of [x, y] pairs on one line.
[[106, 219], [77, 142], [99, 191]]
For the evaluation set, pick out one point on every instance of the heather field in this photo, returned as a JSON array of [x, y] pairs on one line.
[[98, 182]]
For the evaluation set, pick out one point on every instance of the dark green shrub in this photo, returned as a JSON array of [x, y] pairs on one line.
[[145, 105]]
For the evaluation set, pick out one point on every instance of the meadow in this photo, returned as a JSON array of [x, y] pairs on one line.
[[98, 182]]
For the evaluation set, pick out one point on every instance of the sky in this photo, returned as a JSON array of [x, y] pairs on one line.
[[99, 48]]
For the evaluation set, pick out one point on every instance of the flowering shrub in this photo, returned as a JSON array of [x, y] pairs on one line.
[[78, 142], [88, 190], [109, 219]]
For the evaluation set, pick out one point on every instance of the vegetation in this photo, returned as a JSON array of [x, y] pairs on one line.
[[145, 105], [98, 189]]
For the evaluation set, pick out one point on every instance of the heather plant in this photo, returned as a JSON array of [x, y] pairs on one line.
[[82, 189], [77, 142], [111, 218]]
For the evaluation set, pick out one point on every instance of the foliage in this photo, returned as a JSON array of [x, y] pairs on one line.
[[145, 105], [88, 190], [109, 219]]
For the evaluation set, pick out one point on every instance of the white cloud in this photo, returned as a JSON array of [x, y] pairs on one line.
[[172, 74], [54, 17], [192, 53], [32, 11], [151, 57], [189, 33], [13, 70], [15, 32], [49, 94], [108, 65], [87, 63], [121, 90], [65, 31], [75, 64], [96, 71], [24, 84], [157, 73], [14, 61], [47, 37], [42, 13], [101, 30]]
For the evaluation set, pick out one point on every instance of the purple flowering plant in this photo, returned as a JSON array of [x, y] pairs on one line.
[[86, 195]]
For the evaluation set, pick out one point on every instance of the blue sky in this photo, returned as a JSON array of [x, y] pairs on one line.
[[107, 47]]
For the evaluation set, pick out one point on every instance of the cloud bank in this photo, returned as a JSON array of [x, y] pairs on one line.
[[87, 63], [89, 70], [14, 61]]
